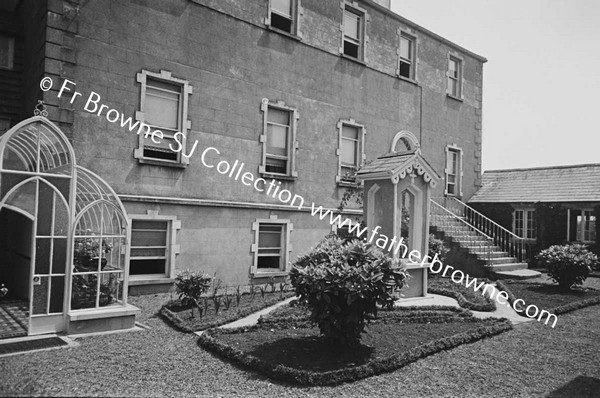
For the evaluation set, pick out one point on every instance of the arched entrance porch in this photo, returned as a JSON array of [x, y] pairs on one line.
[[63, 236]]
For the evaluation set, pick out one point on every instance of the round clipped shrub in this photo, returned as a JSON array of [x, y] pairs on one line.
[[191, 285], [342, 283], [568, 265]]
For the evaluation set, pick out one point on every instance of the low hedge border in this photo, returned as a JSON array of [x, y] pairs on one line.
[[413, 315], [464, 302], [561, 309], [209, 341], [181, 325]]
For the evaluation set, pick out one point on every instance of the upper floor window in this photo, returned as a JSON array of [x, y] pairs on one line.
[[283, 15], [524, 224], [406, 67], [7, 52], [272, 246], [164, 104], [350, 151], [453, 171], [454, 77], [278, 138], [353, 32]]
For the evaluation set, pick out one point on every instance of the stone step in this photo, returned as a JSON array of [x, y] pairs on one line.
[[484, 255], [502, 260], [518, 274], [508, 267], [472, 241]]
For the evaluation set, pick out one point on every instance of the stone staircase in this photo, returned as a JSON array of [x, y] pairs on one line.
[[491, 248]]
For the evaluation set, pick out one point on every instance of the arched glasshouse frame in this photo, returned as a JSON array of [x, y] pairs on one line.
[[63, 234]]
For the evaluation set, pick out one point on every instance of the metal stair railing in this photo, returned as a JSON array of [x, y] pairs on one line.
[[446, 221], [507, 241]]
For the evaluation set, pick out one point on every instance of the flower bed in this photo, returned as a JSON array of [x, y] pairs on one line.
[[549, 297], [466, 297], [187, 318], [288, 348]]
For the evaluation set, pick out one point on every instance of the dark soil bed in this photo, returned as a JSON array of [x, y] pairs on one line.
[[287, 350], [188, 319], [303, 348], [466, 297]]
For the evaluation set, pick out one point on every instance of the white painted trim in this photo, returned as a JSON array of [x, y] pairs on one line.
[[172, 249], [461, 65], [222, 203], [409, 34], [364, 18], [407, 137], [459, 171], [265, 104], [286, 249], [297, 10], [371, 206], [184, 123], [361, 143]]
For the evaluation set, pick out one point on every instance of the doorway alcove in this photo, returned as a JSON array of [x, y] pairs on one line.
[[397, 191]]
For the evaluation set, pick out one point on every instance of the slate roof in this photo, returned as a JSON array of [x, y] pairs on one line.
[[398, 165], [577, 183]]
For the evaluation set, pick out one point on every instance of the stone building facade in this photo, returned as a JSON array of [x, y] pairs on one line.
[[301, 92]]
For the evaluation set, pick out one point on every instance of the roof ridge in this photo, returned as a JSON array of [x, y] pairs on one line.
[[545, 168]]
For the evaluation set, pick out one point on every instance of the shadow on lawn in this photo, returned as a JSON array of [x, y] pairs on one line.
[[581, 387], [312, 353]]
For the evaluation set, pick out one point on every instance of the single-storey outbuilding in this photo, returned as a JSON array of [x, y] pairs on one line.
[[545, 205]]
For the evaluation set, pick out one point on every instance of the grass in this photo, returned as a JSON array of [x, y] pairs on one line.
[[289, 349], [531, 360], [466, 297], [548, 296], [188, 319]]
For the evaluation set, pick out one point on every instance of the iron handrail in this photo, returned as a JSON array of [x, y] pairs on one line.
[[509, 242], [486, 248]]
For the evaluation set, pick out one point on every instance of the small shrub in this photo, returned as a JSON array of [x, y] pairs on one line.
[[437, 246], [191, 286], [342, 284], [567, 265]]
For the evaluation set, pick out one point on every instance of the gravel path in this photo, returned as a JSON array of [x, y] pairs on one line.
[[532, 360]]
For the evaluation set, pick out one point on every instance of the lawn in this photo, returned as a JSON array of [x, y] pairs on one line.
[[466, 297], [530, 360], [291, 349], [547, 295]]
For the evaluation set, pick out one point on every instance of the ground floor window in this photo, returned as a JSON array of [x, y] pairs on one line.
[[582, 225], [524, 224], [271, 247], [152, 246]]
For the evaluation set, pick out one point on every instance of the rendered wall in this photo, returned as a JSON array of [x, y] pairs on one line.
[[225, 52]]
